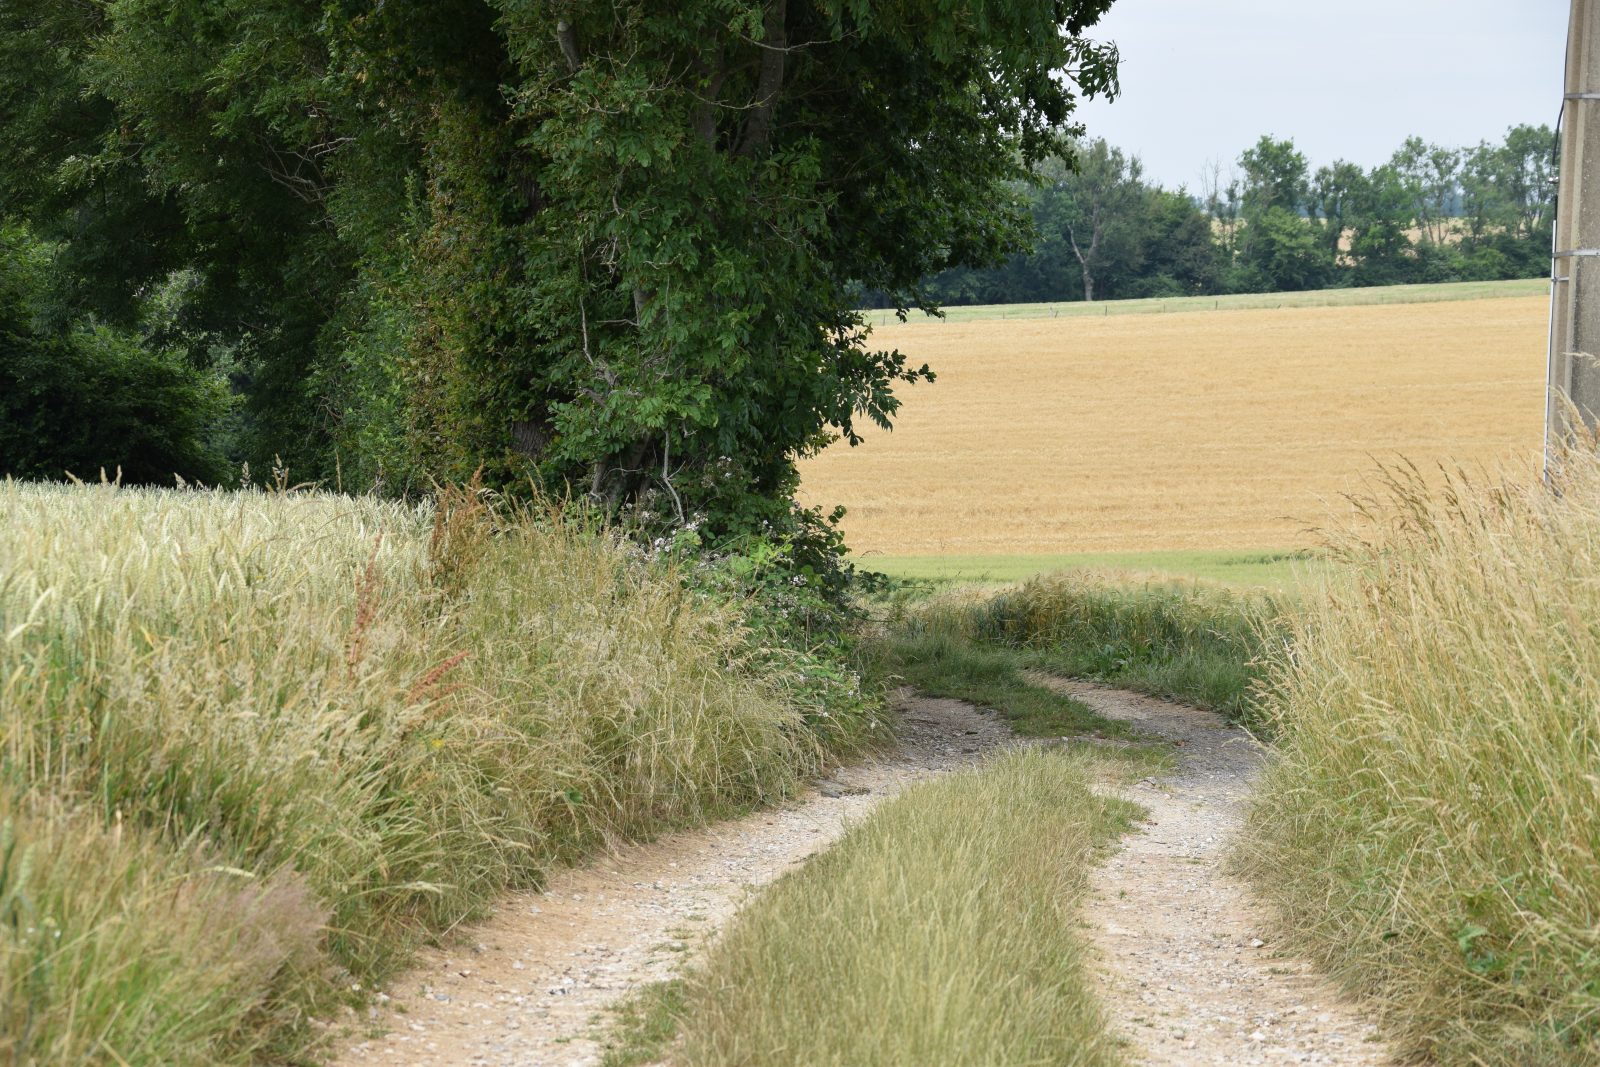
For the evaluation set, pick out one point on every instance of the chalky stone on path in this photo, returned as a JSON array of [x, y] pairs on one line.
[[1189, 974], [530, 984]]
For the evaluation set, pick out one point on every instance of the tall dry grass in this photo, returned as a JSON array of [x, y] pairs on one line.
[[1430, 825], [253, 746]]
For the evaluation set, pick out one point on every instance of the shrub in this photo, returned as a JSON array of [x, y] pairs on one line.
[[84, 397]]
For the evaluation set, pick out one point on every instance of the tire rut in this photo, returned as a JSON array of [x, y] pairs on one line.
[[1190, 975]]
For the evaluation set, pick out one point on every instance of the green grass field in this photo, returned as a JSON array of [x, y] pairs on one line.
[[1266, 568], [1316, 298]]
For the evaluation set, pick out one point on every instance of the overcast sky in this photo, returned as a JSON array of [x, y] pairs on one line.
[[1350, 79]]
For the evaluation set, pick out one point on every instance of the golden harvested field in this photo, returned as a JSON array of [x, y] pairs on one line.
[[1206, 429]]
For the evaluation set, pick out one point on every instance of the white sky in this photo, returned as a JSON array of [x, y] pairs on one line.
[[1350, 79]]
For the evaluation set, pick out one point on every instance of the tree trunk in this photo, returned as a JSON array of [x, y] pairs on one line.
[[1084, 260], [775, 49]]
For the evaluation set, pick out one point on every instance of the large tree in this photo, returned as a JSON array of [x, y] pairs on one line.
[[610, 244], [1275, 176], [1095, 203], [1335, 192], [1430, 175]]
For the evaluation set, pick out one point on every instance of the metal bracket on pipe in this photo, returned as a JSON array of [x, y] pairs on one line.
[[1580, 96], [1575, 253]]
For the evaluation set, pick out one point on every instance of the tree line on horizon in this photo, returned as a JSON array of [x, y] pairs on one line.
[[1428, 214]]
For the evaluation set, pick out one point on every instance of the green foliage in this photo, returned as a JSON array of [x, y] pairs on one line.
[[1283, 254], [1101, 232], [611, 249], [1095, 207], [1274, 177], [799, 600], [83, 398], [1431, 214]]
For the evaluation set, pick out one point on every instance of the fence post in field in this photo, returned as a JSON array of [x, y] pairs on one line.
[[1574, 374]]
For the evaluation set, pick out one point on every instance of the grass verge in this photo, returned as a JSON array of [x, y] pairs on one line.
[[1277, 569], [942, 930], [1191, 641], [990, 676], [1429, 826], [255, 746], [1384, 294]]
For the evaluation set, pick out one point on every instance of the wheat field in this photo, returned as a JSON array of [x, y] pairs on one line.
[[1227, 429]]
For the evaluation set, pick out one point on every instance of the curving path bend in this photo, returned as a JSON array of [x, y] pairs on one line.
[[1189, 973]]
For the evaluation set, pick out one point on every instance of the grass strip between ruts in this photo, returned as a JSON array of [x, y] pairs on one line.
[[941, 930]]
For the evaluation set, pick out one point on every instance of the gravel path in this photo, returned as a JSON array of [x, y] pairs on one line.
[[528, 986], [1189, 973]]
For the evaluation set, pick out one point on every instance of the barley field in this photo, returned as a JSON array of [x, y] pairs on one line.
[[1207, 429]]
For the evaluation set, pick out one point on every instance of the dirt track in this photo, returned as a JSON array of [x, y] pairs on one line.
[[1188, 973]]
